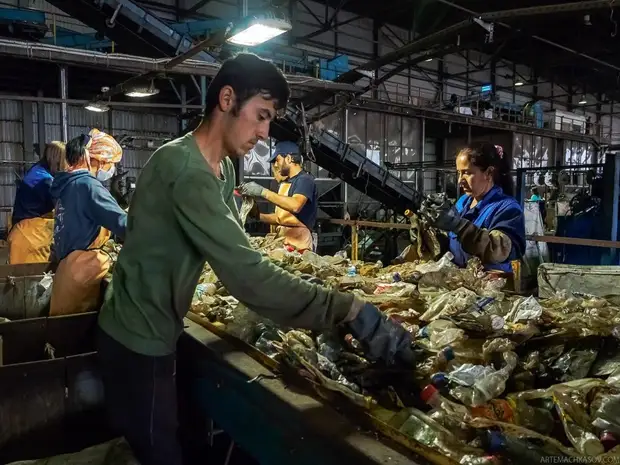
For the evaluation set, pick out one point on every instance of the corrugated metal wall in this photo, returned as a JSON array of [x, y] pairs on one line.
[[143, 131], [12, 149]]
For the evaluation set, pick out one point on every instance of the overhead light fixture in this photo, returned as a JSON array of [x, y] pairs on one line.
[[142, 91], [430, 59], [583, 100], [97, 107], [259, 30], [519, 83]]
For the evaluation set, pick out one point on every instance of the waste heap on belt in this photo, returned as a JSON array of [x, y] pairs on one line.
[[500, 378]]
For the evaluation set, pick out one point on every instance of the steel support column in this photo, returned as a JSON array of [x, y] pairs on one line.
[[514, 89], [203, 91], [441, 79], [183, 106], [41, 123], [376, 27], [344, 184], [64, 95], [493, 75], [467, 62], [28, 132], [420, 173]]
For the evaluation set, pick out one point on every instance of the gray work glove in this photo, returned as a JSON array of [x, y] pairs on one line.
[[382, 338], [251, 189], [439, 212]]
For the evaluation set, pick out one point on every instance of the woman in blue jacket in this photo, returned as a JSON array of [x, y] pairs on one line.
[[30, 236], [487, 221], [86, 215]]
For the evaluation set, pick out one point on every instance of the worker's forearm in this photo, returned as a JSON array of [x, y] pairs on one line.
[[285, 202], [269, 218], [490, 246]]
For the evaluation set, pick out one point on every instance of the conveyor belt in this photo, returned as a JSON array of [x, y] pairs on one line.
[[141, 32], [353, 167], [275, 423]]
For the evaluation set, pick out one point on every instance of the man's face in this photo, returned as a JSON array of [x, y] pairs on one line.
[[251, 124], [284, 165], [277, 175]]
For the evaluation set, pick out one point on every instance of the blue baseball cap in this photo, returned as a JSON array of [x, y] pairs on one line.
[[284, 148]]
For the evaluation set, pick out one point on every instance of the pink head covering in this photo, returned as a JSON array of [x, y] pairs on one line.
[[103, 147]]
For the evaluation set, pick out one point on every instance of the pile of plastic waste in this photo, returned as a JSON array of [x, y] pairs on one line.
[[500, 378]]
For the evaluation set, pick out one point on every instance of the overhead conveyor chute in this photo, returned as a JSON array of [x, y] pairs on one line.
[[141, 32]]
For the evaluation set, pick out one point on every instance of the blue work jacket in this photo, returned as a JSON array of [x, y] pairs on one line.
[[496, 211], [33, 198]]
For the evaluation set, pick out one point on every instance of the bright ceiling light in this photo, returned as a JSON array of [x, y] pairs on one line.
[[142, 91], [583, 100], [97, 107], [260, 30], [519, 83], [430, 59]]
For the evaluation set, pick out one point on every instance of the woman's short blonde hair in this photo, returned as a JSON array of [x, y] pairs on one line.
[[55, 156]]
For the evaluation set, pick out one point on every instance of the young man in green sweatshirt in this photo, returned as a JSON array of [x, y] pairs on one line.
[[183, 215]]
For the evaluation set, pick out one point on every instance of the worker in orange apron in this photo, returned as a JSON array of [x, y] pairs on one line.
[[32, 224], [86, 215], [296, 201]]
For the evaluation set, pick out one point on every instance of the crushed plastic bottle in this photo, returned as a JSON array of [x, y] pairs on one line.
[[576, 425], [204, 289], [439, 334], [516, 413], [489, 386], [607, 415], [516, 449], [351, 271]]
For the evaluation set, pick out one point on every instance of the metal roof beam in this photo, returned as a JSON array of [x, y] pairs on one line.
[[545, 9], [575, 6]]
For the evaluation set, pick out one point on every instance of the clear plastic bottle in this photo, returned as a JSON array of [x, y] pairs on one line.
[[515, 449], [438, 334], [506, 411], [430, 395], [438, 362]]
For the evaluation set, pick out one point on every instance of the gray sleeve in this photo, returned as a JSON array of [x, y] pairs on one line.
[[490, 246]]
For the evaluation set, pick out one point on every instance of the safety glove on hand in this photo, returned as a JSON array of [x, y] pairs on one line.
[[440, 213], [382, 338], [251, 189]]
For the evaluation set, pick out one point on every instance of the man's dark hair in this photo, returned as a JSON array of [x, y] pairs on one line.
[[76, 149], [248, 75]]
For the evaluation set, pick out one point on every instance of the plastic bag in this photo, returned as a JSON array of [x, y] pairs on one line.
[[575, 364], [489, 386], [576, 427], [449, 303], [434, 267], [525, 310], [246, 207]]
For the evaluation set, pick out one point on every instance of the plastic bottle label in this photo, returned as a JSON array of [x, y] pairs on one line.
[[496, 409]]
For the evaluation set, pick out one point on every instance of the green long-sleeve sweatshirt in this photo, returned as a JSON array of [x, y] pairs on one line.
[[182, 216]]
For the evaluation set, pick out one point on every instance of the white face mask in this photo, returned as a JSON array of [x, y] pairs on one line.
[[105, 175]]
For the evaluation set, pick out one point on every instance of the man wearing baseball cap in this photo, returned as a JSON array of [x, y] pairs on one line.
[[296, 201]]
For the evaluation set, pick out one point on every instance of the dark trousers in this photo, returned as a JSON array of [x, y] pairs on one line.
[[141, 400]]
